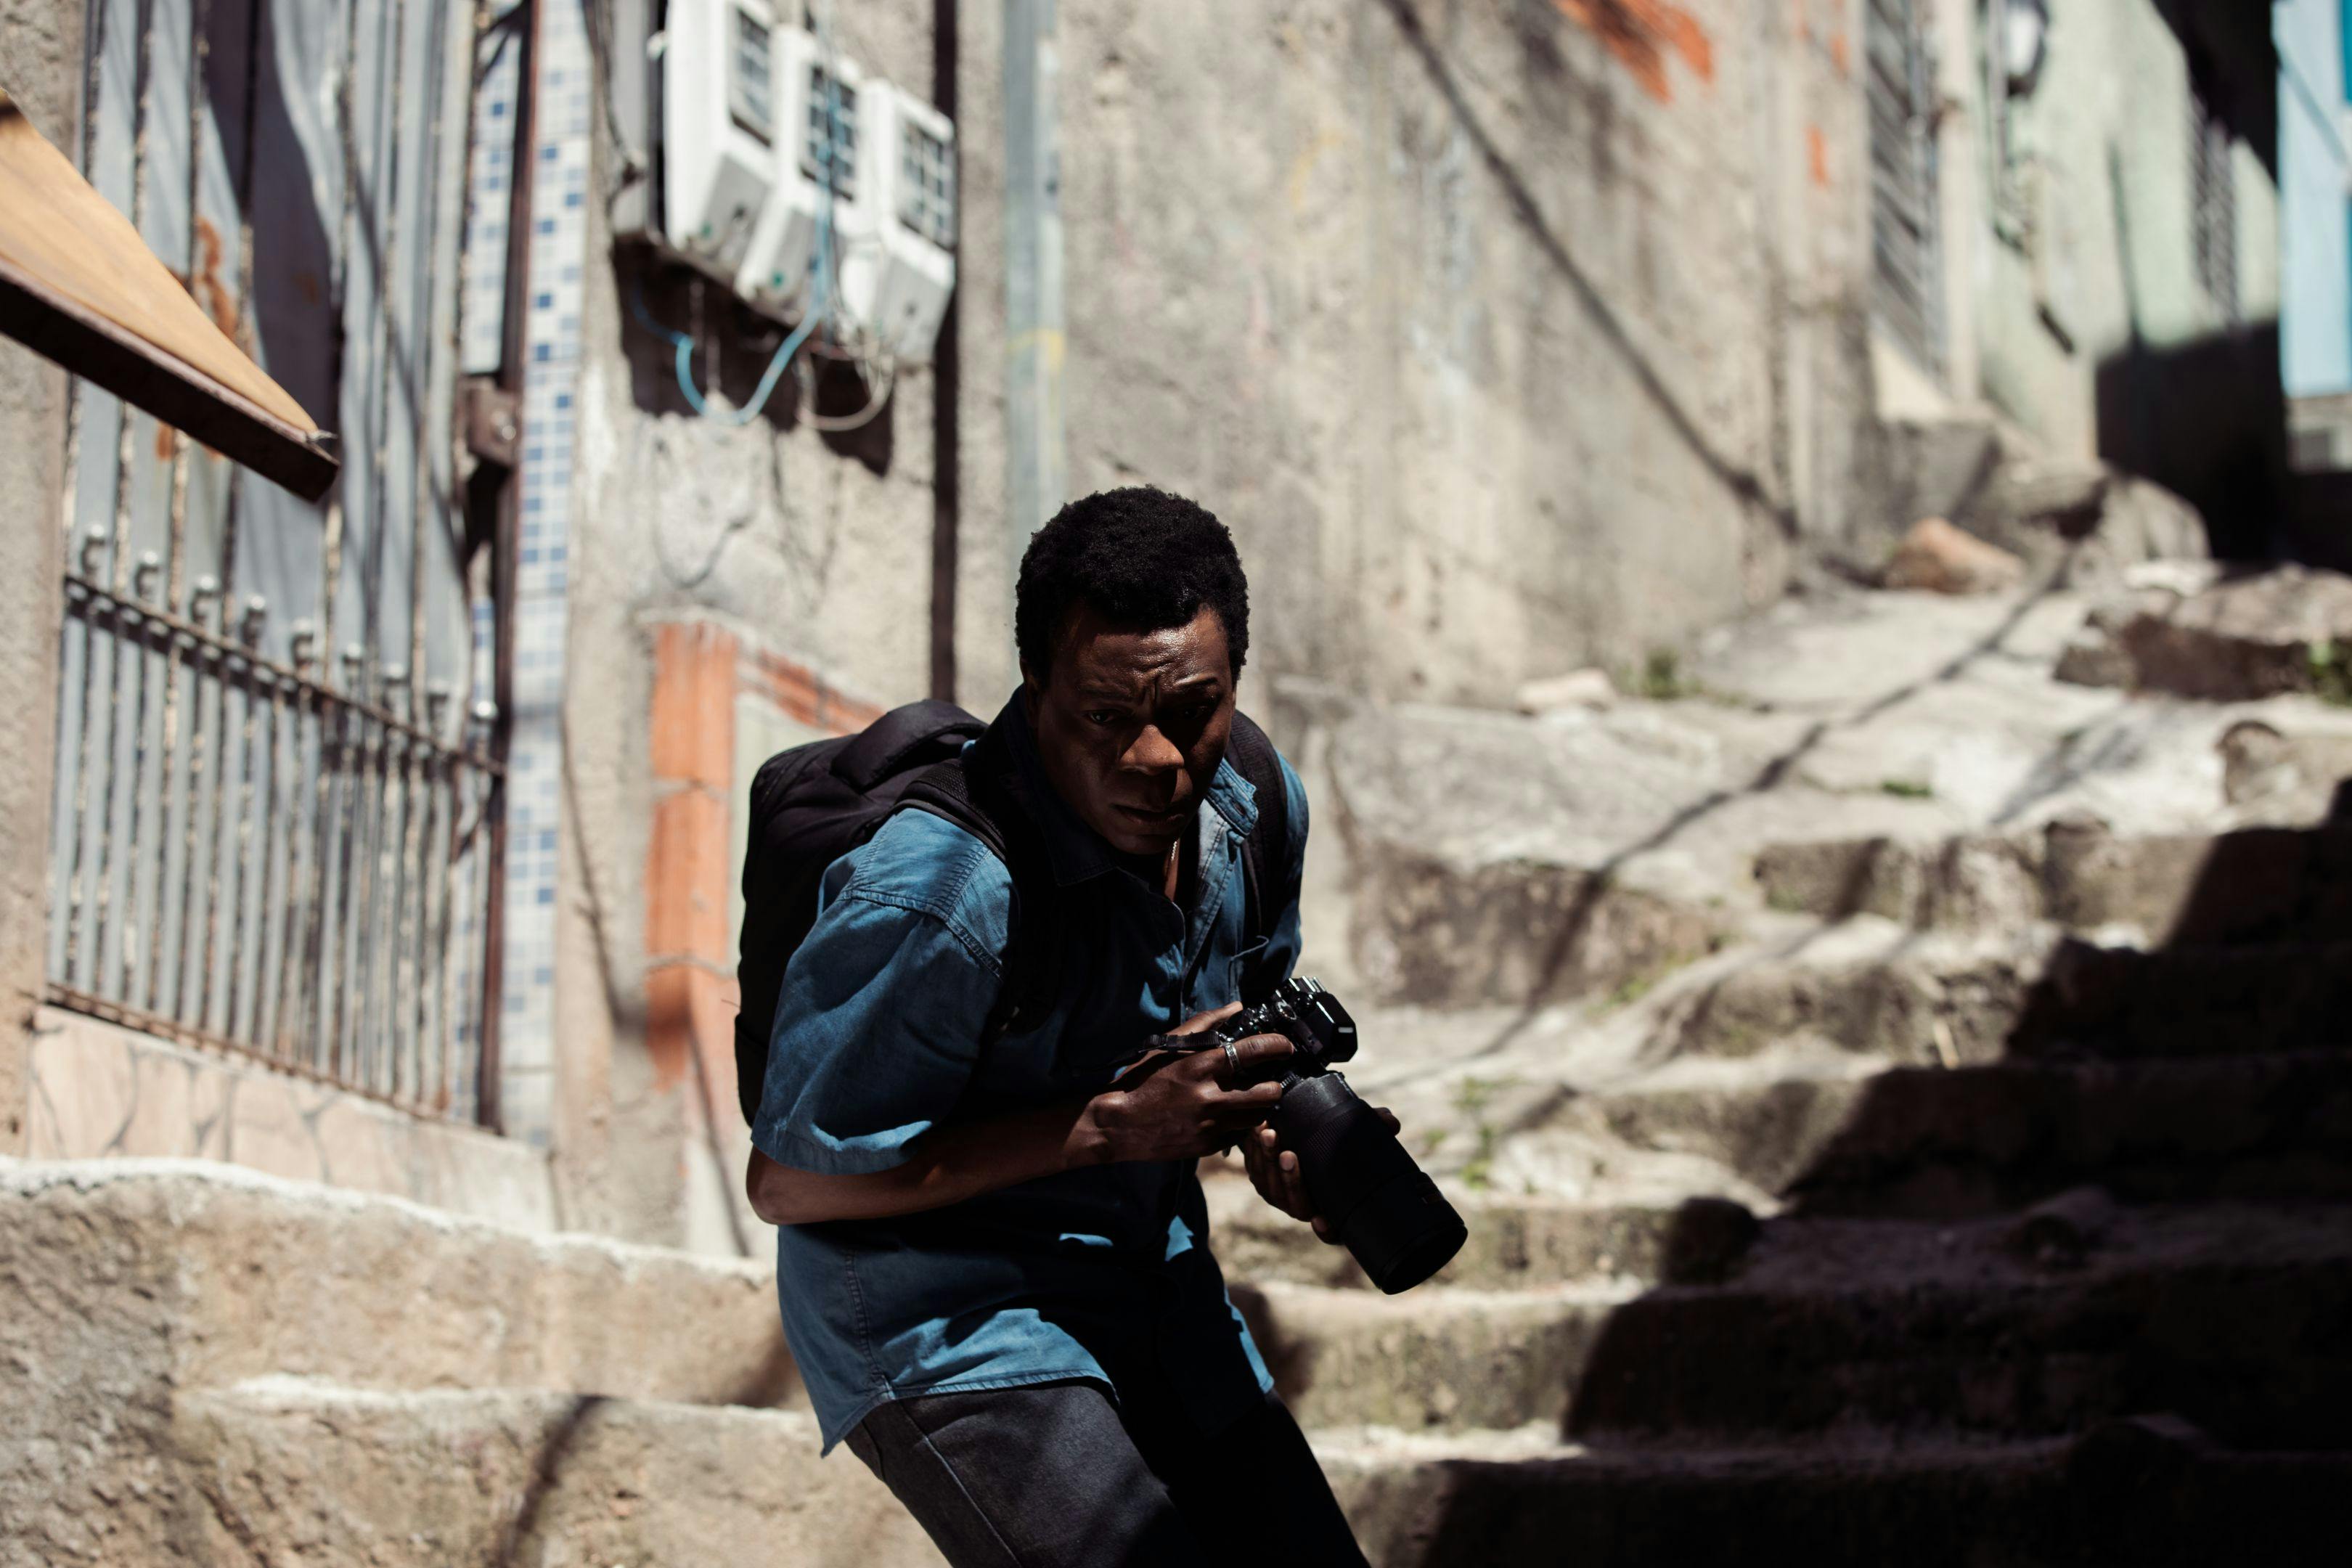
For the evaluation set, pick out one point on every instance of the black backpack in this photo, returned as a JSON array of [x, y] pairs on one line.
[[812, 804]]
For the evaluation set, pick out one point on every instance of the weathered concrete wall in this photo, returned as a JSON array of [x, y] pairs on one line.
[[1506, 341], [1507, 338], [2072, 302], [40, 67], [1504, 344], [810, 545], [2094, 252]]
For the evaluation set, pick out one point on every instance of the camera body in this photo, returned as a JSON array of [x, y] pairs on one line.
[[1377, 1200], [1320, 1032]]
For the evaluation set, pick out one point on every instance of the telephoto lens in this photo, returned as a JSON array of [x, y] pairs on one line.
[[1377, 1201]]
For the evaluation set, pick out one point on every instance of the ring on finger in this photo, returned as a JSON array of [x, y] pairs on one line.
[[1232, 1064]]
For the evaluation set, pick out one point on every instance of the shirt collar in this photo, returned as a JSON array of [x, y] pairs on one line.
[[1074, 850]]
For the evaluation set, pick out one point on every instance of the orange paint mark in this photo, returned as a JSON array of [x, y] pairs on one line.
[[210, 290], [1838, 55], [795, 690], [1817, 152], [1639, 34]]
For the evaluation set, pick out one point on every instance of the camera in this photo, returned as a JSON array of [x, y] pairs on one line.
[[1377, 1200]]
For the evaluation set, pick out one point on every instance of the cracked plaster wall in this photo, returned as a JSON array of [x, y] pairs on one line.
[[1503, 344], [1501, 347], [40, 53]]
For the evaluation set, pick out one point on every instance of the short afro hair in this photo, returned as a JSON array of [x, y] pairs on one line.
[[1144, 559]]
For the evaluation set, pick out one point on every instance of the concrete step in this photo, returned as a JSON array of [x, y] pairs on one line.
[[200, 1275], [284, 1469], [2144, 1492], [1934, 1000], [1878, 991], [1515, 1242], [1434, 1358], [2123, 1003], [2259, 884], [1850, 1136], [2228, 1315], [294, 1469]]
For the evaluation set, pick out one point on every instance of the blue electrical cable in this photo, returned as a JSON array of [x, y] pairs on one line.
[[820, 299]]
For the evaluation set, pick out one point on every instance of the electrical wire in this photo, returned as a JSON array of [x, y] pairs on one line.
[[877, 394], [821, 302], [825, 301]]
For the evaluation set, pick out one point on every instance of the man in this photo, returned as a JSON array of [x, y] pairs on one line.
[[994, 1253]]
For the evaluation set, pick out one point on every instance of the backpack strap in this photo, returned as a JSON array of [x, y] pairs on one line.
[[981, 793], [890, 744], [1267, 882]]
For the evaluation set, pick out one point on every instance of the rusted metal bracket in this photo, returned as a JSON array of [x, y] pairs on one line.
[[493, 421]]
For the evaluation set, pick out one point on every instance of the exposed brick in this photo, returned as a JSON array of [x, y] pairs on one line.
[[694, 704], [688, 1009], [687, 878]]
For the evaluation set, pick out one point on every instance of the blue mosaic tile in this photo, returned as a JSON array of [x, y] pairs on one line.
[[551, 335]]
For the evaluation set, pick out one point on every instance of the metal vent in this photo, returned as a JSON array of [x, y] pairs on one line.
[[831, 150], [927, 185]]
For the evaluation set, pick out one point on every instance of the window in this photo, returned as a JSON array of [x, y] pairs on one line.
[[1907, 290], [2212, 200], [279, 782]]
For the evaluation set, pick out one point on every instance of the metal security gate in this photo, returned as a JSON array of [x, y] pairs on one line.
[[276, 796], [1907, 265]]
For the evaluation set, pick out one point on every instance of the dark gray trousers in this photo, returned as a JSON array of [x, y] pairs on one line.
[[1058, 1475]]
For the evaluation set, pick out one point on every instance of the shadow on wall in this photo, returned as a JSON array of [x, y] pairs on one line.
[[2229, 47], [733, 347], [2206, 420], [293, 295]]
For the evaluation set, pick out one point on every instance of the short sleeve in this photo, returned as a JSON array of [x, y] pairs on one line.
[[877, 1031]]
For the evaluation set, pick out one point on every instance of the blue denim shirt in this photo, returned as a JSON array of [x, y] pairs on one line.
[[877, 1040]]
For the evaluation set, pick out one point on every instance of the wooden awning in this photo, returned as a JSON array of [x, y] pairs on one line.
[[78, 285]]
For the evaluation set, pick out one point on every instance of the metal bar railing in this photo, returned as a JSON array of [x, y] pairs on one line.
[[284, 846], [313, 851]]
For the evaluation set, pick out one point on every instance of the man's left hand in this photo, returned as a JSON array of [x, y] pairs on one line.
[[1274, 1171]]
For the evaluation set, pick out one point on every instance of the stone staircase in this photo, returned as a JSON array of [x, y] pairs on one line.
[[1849, 1171], [2041, 1250], [214, 1367], [1884, 1229]]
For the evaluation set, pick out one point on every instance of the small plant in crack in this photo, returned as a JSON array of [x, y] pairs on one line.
[[2331, 672]]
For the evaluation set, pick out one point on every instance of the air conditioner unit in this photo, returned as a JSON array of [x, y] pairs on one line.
[[899, 284], [719, 128], [824, 107]]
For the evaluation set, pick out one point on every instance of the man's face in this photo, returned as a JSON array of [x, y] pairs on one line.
[[1131, 725]]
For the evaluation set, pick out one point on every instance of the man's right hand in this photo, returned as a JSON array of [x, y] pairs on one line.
[[1173, 1106]]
